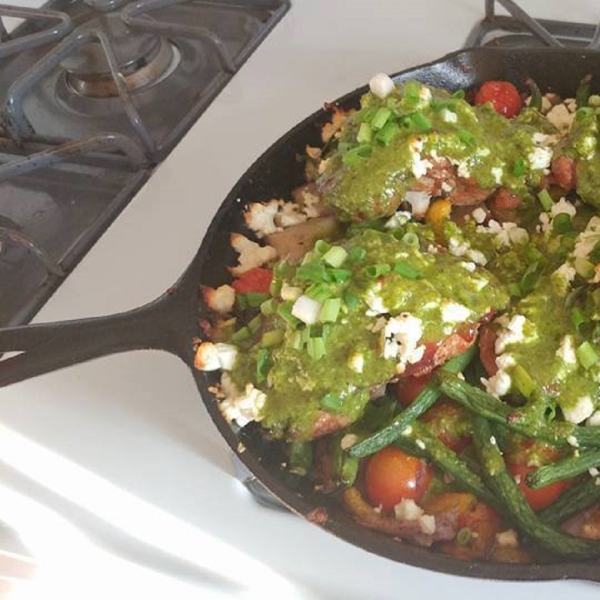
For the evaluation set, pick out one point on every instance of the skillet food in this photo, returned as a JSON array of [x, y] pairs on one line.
[[416, 329]]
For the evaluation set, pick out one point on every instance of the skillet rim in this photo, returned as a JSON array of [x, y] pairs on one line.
[[305, 505]]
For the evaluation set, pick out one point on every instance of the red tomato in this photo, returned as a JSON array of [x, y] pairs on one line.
[[392, 476], [254, 281], [408, 388], [502, 95], [450, 423], [538, 498]]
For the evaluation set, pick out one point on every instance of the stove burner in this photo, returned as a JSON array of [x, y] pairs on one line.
[[96, 81]]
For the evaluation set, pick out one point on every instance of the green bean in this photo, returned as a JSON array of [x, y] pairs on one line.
[[503, 484], [571, 502], [419, 405], [420, 442], [564, 469], [488, 406], [535, 98]]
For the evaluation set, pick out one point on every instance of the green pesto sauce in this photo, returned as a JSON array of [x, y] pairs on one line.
[[488, 148], [296, 382]]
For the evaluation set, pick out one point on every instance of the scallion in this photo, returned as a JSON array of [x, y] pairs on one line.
[[339, 275], [268, 307], [519, 168], [270, 339], [263, 364], [587, 355], [545, 199], [322, 247], [523, 381], [285, 312], [356, 254], [255, 324], [411, 239], [387, 133], [315, 347], [332, 402], [377, 270], [584, 267], [330, 310], [466, 137], [407, 271], [351, 300], [255, 299], [380, 118], [578, 317], [561, 223], [365, 133], [335, 256], [420, 122]]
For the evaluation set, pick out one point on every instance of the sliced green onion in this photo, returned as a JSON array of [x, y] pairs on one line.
[[319, 291], [465, 136], [411, 94], [519, 168], [420, 122], [378, 270], [268, 307], [263, 364], [332, 402], [297, 341], [365, 133], [335, 256], [545, 199], [301, 457], [241, 302], [322, 247], [241, 335], [356, 254], [255, 299], [315, 347], [529, 278], [380, 118], [339, 275], [285, 312], [255, 324], [407, 271], [587, 355], [330, 310], [351, 300], [523, 381], [272, 338], [514, 290], [562, 223], [356, 155], [578, 317], [411, 239], [460, 94], [312, 271], [463, 537], [387, 133], [584, 267]]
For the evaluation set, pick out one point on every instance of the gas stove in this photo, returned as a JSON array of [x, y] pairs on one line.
[[94, 94]]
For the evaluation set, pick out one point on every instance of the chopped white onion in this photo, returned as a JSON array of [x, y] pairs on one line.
[[381, 85], [419, 202], [306, 309]]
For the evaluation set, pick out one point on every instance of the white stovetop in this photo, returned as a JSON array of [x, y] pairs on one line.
[[133, 489]]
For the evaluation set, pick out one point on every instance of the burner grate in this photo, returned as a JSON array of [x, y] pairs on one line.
[[520, 30], [93, 94]]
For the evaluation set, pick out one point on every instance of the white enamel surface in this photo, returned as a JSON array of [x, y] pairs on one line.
[[127, 437]]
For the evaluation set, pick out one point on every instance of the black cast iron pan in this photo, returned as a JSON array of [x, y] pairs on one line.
[[171, 322]]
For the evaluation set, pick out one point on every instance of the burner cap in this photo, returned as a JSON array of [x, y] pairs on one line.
[[142, 58]]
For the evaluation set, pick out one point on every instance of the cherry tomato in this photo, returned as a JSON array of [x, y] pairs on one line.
[[502, 95], [392, 476], [408, 388], [450, 423], [538, 498], [254, 281]]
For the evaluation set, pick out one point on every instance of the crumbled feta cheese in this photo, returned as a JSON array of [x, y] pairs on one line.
[[498, 384], [407, 510], [448, 116], [497, 173], [469, 266], [241, 408], [563, 206], [427, 524], [398, 219], [511, 332], [463, 169], [211, 357], [348, 441], [560, 117], [420, 444], [479, 214], [587, 239], [566, 351], [593, 471], [572, 440], [453, 312], [565, 272], [419, 202], [401, 336], [381, 85], [458, 248], [507, 539], [540, 158], [375, 302], [260, 217], [219, 300], [251, 254], [594, 420], [580, 411], [419, 165], [477, 257], [505, 361], [356, 362]]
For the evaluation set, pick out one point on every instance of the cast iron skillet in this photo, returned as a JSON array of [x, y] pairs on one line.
[[171, 322]]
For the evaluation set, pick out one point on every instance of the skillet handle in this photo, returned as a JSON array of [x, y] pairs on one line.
[[161, 324]]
